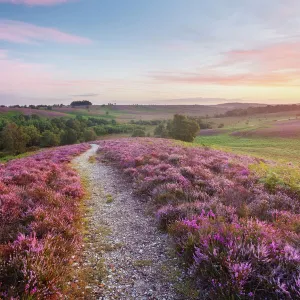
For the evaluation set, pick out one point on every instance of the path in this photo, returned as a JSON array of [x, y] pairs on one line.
[[135, 254]]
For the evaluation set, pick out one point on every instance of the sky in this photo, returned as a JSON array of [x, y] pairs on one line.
[[149, 52]]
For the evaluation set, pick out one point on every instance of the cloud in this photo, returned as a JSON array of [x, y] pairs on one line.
[[271, 65], [274, 57], [263, 79], [85, 95], [35, 2], [20, 32], [21, 78]]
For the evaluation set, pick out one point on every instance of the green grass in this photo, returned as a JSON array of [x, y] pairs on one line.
[[9, 157], [276, 149], [109, 198]]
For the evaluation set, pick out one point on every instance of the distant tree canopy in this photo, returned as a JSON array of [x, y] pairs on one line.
[[260, 110], [81, 103], [20, 133]]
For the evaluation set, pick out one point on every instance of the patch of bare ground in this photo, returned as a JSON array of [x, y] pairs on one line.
[[126, 256]]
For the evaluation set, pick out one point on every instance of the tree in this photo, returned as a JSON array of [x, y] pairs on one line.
[[14, 138], [183, 128], [33, 134], [69, 136], [161, 131], [81, 103], [89, 135], [49, 139]]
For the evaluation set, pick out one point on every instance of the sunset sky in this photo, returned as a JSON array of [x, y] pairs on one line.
[[135, 51]]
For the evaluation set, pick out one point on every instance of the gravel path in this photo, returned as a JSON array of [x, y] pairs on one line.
[[129, 257]]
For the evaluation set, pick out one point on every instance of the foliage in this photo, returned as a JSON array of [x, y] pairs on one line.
[[89, 135], [180, 128], [239, 237], [184, 129], [39, 218], [81, 103], [146, 122], [49, 139], [14, 138], [260, 110], [161, 131], [139, 133], [202, 124], [19, 133]]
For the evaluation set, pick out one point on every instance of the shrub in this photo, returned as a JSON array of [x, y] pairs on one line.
[[236, 226], [138, 133], [39, 223]]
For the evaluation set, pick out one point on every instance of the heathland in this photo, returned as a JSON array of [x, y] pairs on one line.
[[227, 202]]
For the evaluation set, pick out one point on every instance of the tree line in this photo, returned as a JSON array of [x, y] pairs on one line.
[[260, 110], [21, 133]]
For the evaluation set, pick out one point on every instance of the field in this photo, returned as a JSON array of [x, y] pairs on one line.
[[28, 111], [280, 149], [254, 121], [272, 140], [126, 113], [234, 223], [229, 201], [40, 223], [281, 129]]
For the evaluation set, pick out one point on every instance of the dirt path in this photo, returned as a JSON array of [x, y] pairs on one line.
[[124, 247]]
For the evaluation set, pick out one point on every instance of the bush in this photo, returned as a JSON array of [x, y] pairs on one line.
[[39, 224], [235, 258], [235, 222], [139, 133]]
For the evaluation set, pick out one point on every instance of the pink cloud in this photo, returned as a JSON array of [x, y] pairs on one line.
[[273, 65], [20, 32], [263, 79], [35, 2], [272, 57], [27, 79]]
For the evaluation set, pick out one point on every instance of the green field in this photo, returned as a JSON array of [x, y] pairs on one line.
[[279, 149]]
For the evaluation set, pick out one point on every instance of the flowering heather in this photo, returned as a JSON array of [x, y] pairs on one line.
[[38, 216], [239, 232]]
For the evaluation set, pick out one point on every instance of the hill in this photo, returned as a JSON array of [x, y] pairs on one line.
[[126, 113]]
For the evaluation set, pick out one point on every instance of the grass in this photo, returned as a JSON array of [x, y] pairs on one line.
[[143, 263], [109, 198], [278, 149], [92, 159], [9, 157]]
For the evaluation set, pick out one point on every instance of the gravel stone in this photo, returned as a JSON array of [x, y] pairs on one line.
[[136, 255]]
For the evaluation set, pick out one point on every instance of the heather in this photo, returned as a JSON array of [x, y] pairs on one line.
[[39, 223], [234, 220]]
